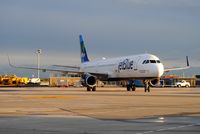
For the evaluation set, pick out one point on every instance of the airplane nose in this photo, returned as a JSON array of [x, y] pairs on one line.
[[160, 70]]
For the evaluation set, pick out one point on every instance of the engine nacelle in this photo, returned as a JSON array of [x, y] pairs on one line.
[[154, 82], [88, 80]]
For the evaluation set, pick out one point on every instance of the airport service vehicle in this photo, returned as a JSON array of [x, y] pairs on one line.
[[182, 83], [34, 80], [145, 67], [12, 81]]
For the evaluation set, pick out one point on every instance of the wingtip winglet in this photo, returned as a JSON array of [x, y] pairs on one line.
[[188, 64], [9, 62]]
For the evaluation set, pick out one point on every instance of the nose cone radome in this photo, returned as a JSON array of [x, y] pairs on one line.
[[160, 70]]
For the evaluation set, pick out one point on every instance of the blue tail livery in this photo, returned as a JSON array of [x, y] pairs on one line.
[[84, 57]]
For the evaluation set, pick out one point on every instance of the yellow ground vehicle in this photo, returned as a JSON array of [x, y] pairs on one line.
[[13, 80]]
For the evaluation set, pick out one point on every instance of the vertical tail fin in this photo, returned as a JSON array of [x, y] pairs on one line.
[[84, 57]]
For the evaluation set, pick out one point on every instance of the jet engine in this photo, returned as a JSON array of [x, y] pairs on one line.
[[154, 82], [88, 80]]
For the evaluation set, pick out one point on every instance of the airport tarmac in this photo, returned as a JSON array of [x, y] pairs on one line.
[[106, 111]]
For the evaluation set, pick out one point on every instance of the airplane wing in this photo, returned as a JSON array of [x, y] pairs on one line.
[[46, 69], [179, 68], [67, 66], [98, 75]]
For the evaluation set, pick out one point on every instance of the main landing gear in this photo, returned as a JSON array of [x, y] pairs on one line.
[[91, 89], [130, 85]]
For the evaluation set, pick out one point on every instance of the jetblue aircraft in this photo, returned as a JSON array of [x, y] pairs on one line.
[[146, 67]]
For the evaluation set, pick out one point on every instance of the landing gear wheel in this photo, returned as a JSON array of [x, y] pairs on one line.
[[130, 85], [88, 89], [147, 88], [133, 88], [128, 88], [94, 89]]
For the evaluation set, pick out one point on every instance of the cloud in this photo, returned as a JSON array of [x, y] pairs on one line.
[[111, 28], [165, 3]]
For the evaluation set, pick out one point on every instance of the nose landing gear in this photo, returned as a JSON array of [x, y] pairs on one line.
[[146, 86]]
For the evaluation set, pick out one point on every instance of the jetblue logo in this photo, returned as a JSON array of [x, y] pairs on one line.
[[125, 64]]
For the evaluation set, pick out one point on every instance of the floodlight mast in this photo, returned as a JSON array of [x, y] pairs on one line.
[[38, 52]]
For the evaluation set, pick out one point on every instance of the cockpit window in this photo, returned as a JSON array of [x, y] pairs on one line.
[[150, 61], [158, 61], [144, 62]]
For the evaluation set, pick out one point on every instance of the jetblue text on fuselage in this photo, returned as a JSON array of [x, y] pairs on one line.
[[125, 64]]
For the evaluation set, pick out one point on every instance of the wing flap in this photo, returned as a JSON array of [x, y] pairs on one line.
[[67, 66]]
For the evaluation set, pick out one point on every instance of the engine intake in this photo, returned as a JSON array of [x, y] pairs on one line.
[[154, 82], [89, 80]]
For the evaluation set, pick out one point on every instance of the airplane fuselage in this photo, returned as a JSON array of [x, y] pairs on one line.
[[144, 66]]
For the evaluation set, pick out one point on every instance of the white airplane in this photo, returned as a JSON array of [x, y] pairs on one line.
[[146, 67]]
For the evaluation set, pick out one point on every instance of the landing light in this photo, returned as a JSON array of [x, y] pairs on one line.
[[161, 118]]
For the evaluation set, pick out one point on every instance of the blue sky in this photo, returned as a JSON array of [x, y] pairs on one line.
[[169, 29]]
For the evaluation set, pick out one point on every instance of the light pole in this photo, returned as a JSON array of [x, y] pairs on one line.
[[38, 52]]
